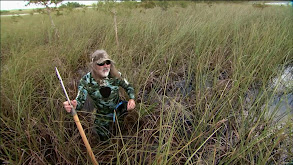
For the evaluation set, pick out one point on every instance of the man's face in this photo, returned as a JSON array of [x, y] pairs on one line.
[[103, 69]]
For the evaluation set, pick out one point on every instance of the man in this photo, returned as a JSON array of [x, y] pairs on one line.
[[102, 85]]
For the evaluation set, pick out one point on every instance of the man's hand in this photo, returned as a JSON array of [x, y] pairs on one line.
[[68, 107], [131, 104]]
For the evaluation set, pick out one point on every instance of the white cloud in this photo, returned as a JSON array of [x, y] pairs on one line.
[[12, 5]]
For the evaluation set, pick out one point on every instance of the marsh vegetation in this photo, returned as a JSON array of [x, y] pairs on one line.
[[194, 66]]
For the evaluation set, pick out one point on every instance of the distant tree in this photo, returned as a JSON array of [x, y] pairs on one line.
[[48, 8], [44, 2], [71, 5]]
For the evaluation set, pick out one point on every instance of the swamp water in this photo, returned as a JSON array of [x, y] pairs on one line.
[[281, 105]]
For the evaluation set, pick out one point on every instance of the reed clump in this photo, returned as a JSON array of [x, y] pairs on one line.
[[193, 67]]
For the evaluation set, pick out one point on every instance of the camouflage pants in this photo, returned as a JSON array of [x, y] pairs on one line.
[[105, 127]]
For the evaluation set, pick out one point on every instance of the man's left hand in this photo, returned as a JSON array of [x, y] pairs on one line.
[[131, 104]]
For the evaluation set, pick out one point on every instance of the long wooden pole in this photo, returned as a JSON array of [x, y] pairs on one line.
[[77, 122], [85, 141]]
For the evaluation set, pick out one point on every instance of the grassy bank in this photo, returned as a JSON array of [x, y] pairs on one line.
[[193, 67]]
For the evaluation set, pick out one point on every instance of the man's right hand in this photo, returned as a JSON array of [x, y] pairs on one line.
[[68, 107]]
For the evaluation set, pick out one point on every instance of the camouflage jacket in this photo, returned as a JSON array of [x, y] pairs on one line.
[[88, 86]]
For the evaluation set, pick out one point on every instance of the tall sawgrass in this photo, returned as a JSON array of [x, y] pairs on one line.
[[201, 73]]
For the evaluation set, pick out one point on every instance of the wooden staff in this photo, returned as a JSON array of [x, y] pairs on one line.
[[77, 122]]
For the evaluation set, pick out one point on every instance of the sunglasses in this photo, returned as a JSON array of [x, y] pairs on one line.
[[107, 62]]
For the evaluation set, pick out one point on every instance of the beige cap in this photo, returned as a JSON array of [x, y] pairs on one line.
[[99, 56]]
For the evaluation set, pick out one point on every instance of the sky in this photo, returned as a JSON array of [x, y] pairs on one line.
[[12, 5]]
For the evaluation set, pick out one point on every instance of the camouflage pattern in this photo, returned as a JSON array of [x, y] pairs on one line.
[[105, 106]]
